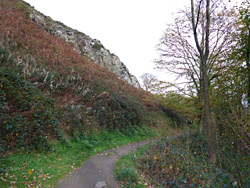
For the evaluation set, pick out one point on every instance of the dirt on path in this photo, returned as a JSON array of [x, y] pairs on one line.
[[99, 168]]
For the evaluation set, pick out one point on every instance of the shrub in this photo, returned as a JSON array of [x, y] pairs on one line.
[[28, 117], [117, 111], [181, 162]]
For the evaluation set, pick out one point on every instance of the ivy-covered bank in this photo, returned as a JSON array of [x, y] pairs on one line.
[[31, 117], [182, 161]]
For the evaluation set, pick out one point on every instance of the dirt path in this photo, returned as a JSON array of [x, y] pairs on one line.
[[99, 168]]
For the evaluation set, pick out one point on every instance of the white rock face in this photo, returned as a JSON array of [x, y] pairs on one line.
[[85, 46]]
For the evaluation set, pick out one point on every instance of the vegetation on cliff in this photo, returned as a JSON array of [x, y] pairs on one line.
[[49, 91], [56, 104]]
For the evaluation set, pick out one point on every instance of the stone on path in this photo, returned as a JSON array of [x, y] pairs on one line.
[[101, 184]]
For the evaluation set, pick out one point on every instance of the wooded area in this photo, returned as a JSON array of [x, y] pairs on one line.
[[207, 48]]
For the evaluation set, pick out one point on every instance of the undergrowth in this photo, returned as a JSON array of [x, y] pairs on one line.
[[178, 162], [126, 172], [28, 116]]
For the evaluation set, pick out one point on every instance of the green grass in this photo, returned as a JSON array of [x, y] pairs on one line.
[[126, 172], [45, 169]]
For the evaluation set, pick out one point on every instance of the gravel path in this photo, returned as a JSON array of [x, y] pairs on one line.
[[99, 168]]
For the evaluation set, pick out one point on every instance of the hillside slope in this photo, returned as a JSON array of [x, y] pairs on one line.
[[84, 45], [50, 91]]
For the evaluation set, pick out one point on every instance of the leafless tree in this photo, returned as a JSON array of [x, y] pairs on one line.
[[195, 47], [148, 81]]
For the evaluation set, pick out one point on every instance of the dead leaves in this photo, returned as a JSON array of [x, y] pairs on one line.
[[30, 179]]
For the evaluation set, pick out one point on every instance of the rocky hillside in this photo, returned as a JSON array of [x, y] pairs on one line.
[[84, 45], [49, 90]]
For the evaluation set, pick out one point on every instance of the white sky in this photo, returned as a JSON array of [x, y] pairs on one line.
[[128, 28]]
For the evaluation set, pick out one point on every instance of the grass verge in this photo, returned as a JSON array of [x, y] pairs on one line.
[[44, 169], [126, 171]]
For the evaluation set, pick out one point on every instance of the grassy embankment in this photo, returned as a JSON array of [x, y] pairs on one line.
[[29, 169]]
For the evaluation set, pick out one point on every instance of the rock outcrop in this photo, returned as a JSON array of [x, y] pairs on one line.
[[86, 46]]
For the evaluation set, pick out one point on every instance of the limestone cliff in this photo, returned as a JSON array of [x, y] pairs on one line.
[[86, 46]]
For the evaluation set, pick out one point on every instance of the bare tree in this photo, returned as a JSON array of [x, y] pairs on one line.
[[204, 59], [195, 47], [155, 86], [148, 81], [178, 50]]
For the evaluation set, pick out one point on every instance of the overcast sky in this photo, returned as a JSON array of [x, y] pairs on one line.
[[128, 28]]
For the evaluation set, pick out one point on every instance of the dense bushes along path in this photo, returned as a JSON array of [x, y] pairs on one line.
[[99, 168]]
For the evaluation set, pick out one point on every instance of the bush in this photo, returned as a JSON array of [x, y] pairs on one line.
[[181, 162], [117, 111], [178, 118], [28, 117]]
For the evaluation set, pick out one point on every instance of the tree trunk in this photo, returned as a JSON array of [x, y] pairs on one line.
[[248, 65], [200, 105], [204, 54], [208, 117], [207, 111]]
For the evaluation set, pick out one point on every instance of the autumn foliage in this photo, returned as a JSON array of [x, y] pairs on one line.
[[74, 92]]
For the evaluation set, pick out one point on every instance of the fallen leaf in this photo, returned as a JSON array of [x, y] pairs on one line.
[[30, 172]]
